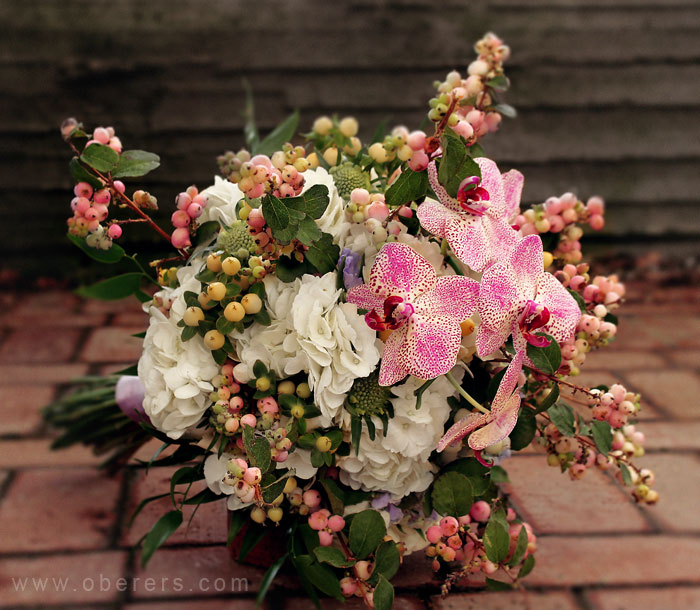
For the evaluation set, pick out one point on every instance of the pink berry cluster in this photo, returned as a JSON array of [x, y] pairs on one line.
[[256, 176], [90, 210], [105, 135], [190, 205], [243, 478], [326, 525], [568, 452], [461, 539], [562, 215], [402, 145], [615, 406]]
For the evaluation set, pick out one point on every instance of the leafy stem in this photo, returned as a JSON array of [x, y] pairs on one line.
[[464, 394]]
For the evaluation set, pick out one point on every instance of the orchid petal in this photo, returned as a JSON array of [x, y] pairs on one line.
[[489, 341], [399, 270], [512, 190], [454, 295], [445, 198], [498, 429], [431, 345], [508, 383], [365, 298], [528, 263], [461, 428], [499, 298], [392, 369], [465, 234], [564, 311], [433, 216], [491, 180], [502, 239]]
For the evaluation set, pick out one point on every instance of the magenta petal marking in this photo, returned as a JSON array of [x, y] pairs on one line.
[[392, 369], [453, 295], [399, 270], [499, 298], [461, 428], [465, 234], [564, 311], [512, 190], [481, 460], [431, 345], [491, 180], [365, 298], [433, 216], [528, 263], [501, 426]]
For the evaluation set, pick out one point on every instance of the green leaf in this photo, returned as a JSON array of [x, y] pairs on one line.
[[224, 326], [579, 300], [273, 490], [312, 202], [308, 231], [499, 83], [520, 548], [367, 530], [496, 541], [452, 494], [268, 579], [383, 594], [602, 435], [456, 164], [133, 163], [527, 566], [113, 255], [275, 212], [206, 231], [237, 519], [499, 475], [524, 430], [549, 400], [322, 577], [100, 157], [159, 533], [80, 174], [547, 359], [253, 535], [114, 288], [249, 129], [409, 186], [611, 318], [289, 269], [284, 132], [356, 433], [497, 585], [626, 476], [562, 417], [507, 110], [387, 559], [323, 254], [332, 556]]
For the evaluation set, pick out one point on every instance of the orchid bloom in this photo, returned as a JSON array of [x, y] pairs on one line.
[[424, 311], [475, 223], [499, 423], [518, 296]]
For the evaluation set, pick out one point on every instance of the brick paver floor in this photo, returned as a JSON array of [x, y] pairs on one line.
[[61, 519]]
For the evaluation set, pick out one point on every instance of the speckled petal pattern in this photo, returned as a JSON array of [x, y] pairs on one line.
[[564, 311], [392, 370], [499, 428], [365, 298], [512, 190], [454, 295], [433, 216], [400, 270], [461, 428], [465, 234], [431, 345]]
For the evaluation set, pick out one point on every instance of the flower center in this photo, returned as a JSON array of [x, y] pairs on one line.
[[472, 197], [534, 316], [396, 313]]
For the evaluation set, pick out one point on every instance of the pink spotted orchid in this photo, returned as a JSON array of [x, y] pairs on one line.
[[499, 422], [518, 296], [424, 311], [475, 223]]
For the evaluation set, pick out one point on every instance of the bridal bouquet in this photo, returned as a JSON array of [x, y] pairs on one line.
[[350, 339]]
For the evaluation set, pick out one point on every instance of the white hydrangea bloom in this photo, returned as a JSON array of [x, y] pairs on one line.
[[222, 197], [312, 332], [333, 220]]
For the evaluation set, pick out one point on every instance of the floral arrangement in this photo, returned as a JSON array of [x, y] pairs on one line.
[[350, 339]]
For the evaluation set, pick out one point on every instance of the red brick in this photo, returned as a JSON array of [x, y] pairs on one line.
[[401, 602], [24, 318], [552, 503], [35, 453], [93, 578], [678, 483], [646, 332], [208, 604], [131, 318], [666, 598], [47, 510], [687, 358], [112, 345], [517, 600], [683, 436], [34, 345], [194, 571], [209, 524], [116, 307], [21, 407], [49, 300], [676, 392], [615, 560], [619, 360], [44, 374]]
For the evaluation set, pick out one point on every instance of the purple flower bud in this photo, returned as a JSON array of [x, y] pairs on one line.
[[129, 394]]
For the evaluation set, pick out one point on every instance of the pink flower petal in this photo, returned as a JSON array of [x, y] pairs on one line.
[[461, 428], [501, 426], [508, 383], [448, 201], [454, 295], [564, 311], [491, 180], [528, 264], [488, 341], [512, 190], [365, 298], [465, 234], [433, 216], [399, 270], [499, 298], [502, 239], [431, 345], [392, 370]]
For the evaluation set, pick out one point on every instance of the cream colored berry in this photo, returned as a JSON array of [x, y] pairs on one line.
[[275, 514], [234, 312], [286, 387], [193, 316], [231, 265], [214, 263], [348, 126], [322, 125], [214, 340], [252, 303], [216, 291], [303, 390], [323, 444], [204, 301], [331, 156]]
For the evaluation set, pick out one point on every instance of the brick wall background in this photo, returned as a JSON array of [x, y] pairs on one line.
[[607, 91]]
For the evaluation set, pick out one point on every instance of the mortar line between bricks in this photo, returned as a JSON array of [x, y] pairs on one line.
[[581, 599], [6, 484]]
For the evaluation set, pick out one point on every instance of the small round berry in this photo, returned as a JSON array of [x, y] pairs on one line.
[[214, 340], [312, 498], [348, 586], [234, 312], [232, 425], [285, 387], [114, 231], [303, 390], [325, 538], [214, 263], [290, 485], [231, 265], [258, 515], [275, 514], [322, 125], [336, 523], [193, 316], [297, 411], [252, 475], [363, 569], [480, 511], [252, 303], [263, 384], [216, 291], [323, 444], [249, 420], [349, 126], [433, 534]]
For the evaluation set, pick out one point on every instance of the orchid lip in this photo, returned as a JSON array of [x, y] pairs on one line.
[[534, 316], [396, 314], [472, 197]]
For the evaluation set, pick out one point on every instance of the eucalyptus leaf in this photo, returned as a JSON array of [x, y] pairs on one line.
[[409, 186], [100, 157], [134, 163], [114, 288]]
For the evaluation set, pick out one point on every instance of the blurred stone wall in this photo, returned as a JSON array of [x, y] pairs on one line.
[[607, 93]]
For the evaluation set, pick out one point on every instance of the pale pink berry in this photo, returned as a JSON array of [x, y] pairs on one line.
[[480, 511], [101, 135], [454, 542], [597, 222], [235, 404], [249, 420], [359, 196], [378, 210], [114, 231], [194, 210], [180, 218], [102, 211], [348, 586], [81, 205], [312, 498], [464, 129], [464, 520], [252, 475], [595, 205], [82, 189], [617, 419], [448, 554], [183, 201], [281, 456], [103, 196], [556, 224], [336, 523], [510, 514], [449, 526], [493, 120], [258, 190], [115, 144], [318, 520], [419, 161], [618, 391], [268, 405], [119, 186], [256, 218], [433, 534], [363, 569], [91, 214]]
